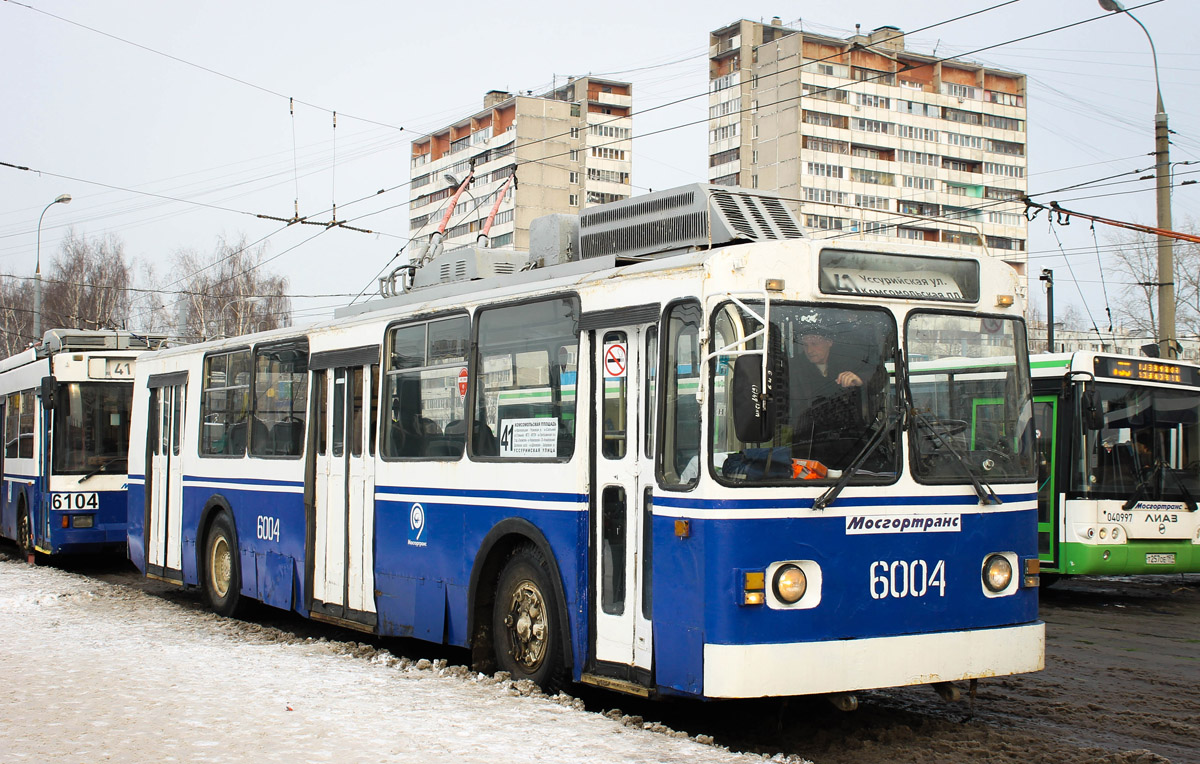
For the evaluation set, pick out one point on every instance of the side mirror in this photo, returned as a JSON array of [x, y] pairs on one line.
[[49, 387], [755, 410], [1090, 409]]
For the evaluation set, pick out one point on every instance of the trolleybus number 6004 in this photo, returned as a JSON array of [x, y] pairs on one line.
[[903, 578], [268, 528]]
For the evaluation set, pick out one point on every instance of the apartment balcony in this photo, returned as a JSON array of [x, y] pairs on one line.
[[612, 99]]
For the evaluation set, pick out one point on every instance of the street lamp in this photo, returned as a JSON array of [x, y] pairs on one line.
[[251, 301], [1162, 177], [37, 272]]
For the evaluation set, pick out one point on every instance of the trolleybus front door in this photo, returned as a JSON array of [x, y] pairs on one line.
[[620, 524], [164, 547], [343, 579], [1045, 417]]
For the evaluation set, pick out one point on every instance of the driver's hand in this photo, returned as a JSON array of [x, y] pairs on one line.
[[849, 379]]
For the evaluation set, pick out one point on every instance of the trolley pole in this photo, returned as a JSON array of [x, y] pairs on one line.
[[1048, 277]]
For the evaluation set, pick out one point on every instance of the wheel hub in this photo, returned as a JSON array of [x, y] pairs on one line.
[[527, 625], [220, 566]]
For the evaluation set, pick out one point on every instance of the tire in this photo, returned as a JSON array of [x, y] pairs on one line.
[[528, 637], [222, 580], [24, 531]]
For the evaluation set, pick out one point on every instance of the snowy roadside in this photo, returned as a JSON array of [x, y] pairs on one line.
[[94, 672]]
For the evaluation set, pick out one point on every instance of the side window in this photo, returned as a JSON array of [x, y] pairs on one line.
[[280, 399], [651, 401], [321, 403], [524, 405], [425, 389], [225, 404], [12, 420], [616, 429], [679, 446], [355, 435], [28, 417]]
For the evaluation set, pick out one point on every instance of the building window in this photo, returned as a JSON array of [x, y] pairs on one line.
[[604, 152], [960, 91], [916, 181], [916, 133], [822, 93], [966, 141], [824, 196], [722, 157], [866, 99], [724, 108], [872, 202], [573, 200], [573, 177], [574, 132], [917, 157], [824, 222], [870, 176], [872, 126], [826, 170], [1006, 147], [725, 180], [824, 144], [1003, 123]]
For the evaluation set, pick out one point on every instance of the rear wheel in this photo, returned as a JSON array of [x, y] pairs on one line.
[[528, 639], [222, 577]]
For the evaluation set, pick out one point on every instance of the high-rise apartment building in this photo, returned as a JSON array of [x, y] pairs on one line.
[[570, 147], [869, 139]]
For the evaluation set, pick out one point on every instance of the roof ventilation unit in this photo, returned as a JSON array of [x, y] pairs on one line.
[[467, 264], [696, 216]]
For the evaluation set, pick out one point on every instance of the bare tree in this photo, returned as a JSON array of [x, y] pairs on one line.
[[1137, 262], [229, 293], [87, 286]]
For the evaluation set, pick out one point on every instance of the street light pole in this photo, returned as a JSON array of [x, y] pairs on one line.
[[1162, 179], [37, 272]]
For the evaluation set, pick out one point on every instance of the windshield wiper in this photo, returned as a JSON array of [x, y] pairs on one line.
[[1153, 476], [827, 498], [101, 468], [984, 491]]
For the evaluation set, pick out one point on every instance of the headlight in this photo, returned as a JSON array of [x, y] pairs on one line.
[[789, 584], [997, 573]]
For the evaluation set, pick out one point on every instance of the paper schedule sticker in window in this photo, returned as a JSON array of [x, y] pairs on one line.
[[529, 437]]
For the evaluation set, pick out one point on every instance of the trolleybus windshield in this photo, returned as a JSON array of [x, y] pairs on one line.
[[969, 386], [91, 427], [834, 393], [1143, 443]]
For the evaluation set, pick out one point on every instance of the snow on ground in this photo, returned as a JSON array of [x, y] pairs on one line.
[[93, 672]]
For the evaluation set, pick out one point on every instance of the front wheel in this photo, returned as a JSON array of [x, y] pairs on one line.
[[24, 532], [529, 641], [222, 577]]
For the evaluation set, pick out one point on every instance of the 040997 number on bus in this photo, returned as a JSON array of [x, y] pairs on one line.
[[903, 578]]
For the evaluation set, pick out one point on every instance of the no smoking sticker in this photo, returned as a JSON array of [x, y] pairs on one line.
[[615, 360]]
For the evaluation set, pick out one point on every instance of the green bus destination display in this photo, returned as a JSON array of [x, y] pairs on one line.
[[1147, 370]]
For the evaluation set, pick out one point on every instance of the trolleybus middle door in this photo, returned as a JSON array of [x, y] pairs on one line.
[[623, 634], [343, 583], [164, 553]]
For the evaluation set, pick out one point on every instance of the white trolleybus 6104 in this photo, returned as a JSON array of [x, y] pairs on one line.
[[64, 405], [1119, 464], [670, 451]]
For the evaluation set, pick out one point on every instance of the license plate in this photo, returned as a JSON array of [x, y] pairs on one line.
[[1160, 559]]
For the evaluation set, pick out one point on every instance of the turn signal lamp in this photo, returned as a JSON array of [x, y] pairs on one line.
[[1004, 300], [754, 587], [774, 285]]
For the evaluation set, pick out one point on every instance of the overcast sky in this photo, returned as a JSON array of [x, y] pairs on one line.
[[191, 103]]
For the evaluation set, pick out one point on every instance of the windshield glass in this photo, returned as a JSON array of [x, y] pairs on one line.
[[834, 390], [1144, 434], [91, 427], [969, 385]]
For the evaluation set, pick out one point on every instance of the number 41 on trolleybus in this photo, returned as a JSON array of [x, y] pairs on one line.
[[64, 408], [1119, 464], [679, 458]]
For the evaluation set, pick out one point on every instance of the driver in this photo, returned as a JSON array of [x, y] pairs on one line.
[[826, 396]]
